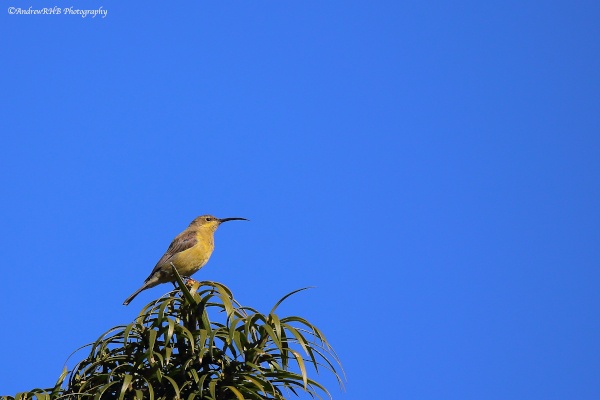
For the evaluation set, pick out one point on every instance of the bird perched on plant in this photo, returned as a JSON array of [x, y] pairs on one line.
[[188, 252]]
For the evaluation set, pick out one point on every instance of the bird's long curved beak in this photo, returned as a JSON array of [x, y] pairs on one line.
[[221, 220]]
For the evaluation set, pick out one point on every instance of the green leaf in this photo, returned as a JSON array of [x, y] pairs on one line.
[[304, 344], [237, 393], [126, 381], [103, 389], [212, 389], [273, 336], [300, 362], [226, 299], [186, 293], [174, 385], [286, 296]]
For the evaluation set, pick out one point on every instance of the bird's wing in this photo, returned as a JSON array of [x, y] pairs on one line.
[[182, 242]]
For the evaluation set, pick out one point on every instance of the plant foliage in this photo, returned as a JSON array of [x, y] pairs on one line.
[[200, 343]]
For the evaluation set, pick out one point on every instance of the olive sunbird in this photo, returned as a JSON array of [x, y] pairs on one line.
[[188, 252]]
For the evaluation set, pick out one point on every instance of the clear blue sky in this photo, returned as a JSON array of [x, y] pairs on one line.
[[433, 168]]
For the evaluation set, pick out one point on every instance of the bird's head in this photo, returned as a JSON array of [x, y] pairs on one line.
[[211, 222]]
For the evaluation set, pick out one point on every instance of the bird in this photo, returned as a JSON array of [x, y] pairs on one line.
[[188, 252]]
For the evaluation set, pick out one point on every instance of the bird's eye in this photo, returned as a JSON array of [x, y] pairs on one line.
[[208, 219]]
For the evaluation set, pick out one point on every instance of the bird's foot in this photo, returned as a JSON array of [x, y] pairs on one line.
[[189, 281]]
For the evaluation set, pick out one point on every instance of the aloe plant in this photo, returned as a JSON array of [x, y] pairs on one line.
[[198, 342]]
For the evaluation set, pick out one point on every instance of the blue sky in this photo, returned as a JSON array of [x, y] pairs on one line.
[[431, 167]]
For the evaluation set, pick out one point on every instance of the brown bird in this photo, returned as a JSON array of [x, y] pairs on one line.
[[188, 252]]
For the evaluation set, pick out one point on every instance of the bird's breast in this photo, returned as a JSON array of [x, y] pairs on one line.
[[191, 260]]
